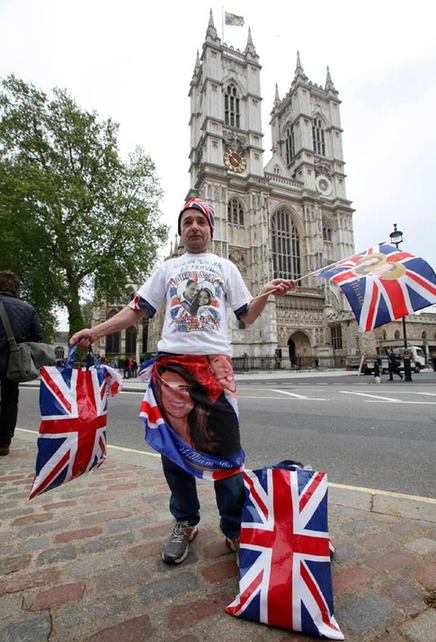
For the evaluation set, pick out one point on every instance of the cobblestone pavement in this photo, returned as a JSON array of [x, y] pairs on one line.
[[81, 563]]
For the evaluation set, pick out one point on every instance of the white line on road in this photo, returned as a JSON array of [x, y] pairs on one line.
[[365, 394], [294, 394], [420, 403], [362, 489]]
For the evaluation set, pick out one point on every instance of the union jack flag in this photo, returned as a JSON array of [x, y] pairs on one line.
[[285, 577], [72, 434], [383, 284]]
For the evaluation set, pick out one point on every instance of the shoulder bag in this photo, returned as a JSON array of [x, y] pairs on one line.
[[25, 359]]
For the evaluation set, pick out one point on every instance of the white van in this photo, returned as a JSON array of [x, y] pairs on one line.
[[417, 361]]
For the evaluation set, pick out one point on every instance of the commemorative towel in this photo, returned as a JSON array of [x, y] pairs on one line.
[[72, 434], [284, 560], [191, 415]]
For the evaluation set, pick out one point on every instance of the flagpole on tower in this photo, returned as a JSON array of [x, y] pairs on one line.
[[222, 23]]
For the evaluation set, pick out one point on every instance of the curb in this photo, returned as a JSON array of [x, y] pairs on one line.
[[380, 501]]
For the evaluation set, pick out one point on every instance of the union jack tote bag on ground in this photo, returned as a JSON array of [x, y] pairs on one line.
[[72, 434], [284, 560]]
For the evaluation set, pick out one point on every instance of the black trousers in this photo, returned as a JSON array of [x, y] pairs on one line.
[[8, 409]]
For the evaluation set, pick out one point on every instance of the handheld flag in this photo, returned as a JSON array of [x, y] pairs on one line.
[[383, 284], [231, 19]]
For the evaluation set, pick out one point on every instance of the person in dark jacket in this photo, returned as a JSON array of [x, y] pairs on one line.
[[26, 327]]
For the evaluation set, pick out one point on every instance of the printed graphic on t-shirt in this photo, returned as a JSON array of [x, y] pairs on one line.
[[195, 299]]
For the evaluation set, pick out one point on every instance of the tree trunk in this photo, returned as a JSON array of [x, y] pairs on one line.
[[74, 314]]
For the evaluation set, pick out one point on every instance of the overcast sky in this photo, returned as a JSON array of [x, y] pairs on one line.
[[133, 61]]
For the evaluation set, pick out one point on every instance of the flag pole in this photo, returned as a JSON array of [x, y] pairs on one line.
[[300, 278], [222, 23]]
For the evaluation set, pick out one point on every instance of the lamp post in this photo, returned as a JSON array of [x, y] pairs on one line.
[[396, 238]]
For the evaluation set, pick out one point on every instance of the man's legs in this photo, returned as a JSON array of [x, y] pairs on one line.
[[8, 411], [185, 508], [230, 500]]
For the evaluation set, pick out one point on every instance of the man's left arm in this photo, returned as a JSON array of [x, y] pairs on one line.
[[278, 287]]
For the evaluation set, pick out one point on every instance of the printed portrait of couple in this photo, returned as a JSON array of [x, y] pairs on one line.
[[193, 296], [196, 396]]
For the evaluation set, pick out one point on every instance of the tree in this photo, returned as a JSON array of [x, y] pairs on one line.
[[73, 215]]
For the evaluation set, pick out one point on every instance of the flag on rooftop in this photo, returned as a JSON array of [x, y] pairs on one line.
[[231, 19]]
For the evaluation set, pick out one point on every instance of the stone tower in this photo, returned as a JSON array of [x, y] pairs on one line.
[[284, 218]]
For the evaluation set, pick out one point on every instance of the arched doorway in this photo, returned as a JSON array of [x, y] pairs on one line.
[[292, 353], [300, 350]]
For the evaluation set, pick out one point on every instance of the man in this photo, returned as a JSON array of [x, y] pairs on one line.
[[393, 365], [26, 327], [181, 337]]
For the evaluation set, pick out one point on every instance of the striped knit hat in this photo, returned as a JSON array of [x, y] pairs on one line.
[[204, 208]]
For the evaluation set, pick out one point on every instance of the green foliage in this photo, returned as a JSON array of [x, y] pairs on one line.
[[73, 215]]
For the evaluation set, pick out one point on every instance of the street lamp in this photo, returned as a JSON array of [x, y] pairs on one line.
[[396, 238]]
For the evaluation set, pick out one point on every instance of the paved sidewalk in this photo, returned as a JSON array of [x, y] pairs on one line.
[[81, 563]]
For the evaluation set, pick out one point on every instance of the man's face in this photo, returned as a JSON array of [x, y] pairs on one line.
[[195, 231]]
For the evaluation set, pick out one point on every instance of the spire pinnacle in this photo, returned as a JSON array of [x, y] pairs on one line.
[[250, 49], [329, 86], [211, 32], [277, 97], [249, 39], [299, 71]]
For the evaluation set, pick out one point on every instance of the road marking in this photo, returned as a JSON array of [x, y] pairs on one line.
[[421, 403], [294, 394], [365, 394], [361, 489], [429, 394]]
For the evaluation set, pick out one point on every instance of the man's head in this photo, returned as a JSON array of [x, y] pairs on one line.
[[196, 224], [9, 283]]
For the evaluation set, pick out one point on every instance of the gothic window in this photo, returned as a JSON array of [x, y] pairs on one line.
[[318, 137], [113, 340], [326, 231], [336, 332], [286, 247], [231, 106], [290, 145], [384, 335], [235, 213], [424, 335], [276, 169], [131, 340], [59, 352], [397, 334]]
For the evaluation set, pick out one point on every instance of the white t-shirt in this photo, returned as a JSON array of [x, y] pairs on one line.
[[195, 289]]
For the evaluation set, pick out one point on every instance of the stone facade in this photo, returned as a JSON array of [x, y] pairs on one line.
[[284, 218]]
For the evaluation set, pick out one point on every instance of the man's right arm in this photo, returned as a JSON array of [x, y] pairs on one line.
[[123, 319]]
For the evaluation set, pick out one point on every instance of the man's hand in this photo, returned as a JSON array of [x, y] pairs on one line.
[[278, 287], [83, 338]]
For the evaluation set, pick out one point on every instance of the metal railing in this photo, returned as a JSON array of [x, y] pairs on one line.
[[246, 364]]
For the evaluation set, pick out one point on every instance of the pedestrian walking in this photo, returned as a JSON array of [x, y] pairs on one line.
[[192, 397], [393, 365], [378, 369], [25, 327]]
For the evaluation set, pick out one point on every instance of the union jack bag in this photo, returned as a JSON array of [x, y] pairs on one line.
[[284, 559], [72, 434]]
